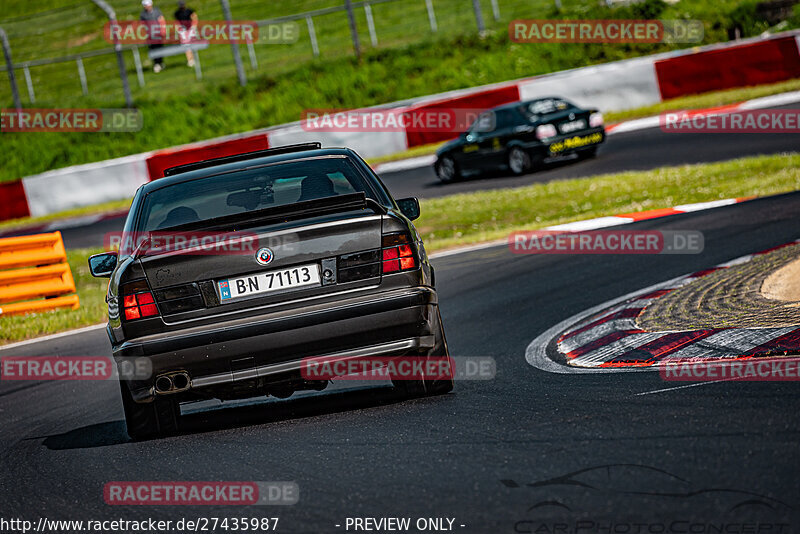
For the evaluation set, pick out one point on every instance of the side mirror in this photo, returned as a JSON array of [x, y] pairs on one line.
[[103, 264], [409, 207]]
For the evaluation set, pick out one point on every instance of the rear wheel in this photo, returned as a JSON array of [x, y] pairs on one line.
[[447, 170], [437, 385], [151, 419], [519, 161]]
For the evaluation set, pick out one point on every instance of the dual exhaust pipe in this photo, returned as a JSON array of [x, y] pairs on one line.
[[173, 383]]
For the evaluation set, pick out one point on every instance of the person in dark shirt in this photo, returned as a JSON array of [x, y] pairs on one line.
[[152, 15], [187, 18]]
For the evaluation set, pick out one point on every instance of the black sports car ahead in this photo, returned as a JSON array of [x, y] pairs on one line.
[[344, 276], [520, 136]]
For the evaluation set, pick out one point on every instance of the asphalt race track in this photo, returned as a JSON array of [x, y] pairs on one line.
[[527, 449], [639, 150]]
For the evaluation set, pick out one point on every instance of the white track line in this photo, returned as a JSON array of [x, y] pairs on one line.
[[684, 386], [54, 336]]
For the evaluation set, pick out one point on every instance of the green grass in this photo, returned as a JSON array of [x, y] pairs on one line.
[[91, 292], [409, 61], [106, 207], [483, 216], [488, 215]]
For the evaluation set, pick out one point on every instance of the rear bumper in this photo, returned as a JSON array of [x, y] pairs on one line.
[[402, 321]]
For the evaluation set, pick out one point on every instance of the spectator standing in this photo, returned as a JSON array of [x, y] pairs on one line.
[[187, 18], [152, 16]]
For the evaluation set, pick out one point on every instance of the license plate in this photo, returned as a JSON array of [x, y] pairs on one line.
[[573, 126], [267, 282]]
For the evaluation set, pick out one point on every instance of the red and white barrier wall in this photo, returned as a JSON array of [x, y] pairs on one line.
[[610, 86]]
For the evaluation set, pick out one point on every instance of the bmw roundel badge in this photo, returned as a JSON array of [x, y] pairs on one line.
[[264, 256]]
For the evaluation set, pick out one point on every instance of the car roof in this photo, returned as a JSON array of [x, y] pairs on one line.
[[167, 181]]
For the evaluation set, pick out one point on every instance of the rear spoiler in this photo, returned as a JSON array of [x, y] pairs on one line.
[[320, 206]]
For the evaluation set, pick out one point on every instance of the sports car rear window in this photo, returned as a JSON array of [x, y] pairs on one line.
[[532, 110], [249, 190]]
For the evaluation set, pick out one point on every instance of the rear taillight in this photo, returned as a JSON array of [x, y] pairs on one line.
[[139, 306], [397, 254], [545, 131]]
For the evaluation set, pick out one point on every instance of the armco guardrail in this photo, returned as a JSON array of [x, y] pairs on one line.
[[35, 275]]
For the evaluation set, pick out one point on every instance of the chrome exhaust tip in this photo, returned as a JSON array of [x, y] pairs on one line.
[[163, 384], [173, 383]]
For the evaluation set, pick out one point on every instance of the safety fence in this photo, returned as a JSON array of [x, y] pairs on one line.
[[35, 275], [611, 86]]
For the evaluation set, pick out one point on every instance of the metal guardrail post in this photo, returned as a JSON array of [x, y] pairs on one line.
[[123, 74], [431, 15], [12, 79], [476, 6], [312, 34], [353, 28], [237, 58]]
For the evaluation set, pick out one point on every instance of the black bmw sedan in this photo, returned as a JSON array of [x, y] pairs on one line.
[[520, 136], [233, 272]]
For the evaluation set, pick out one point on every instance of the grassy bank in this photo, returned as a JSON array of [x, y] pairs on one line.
[[474, 217], [414, 62]]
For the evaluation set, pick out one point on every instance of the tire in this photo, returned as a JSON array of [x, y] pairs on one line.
[[518, 160], [426, 387], [447, 170], [151, 419]]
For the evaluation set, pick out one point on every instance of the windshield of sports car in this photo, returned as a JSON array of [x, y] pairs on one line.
[[250, 190]]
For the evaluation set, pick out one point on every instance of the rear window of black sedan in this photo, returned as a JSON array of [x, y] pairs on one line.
[[249, 190]]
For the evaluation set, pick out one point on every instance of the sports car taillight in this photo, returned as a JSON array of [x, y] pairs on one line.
[[595, 119], [545, 130], [397, 253], [139, 305]]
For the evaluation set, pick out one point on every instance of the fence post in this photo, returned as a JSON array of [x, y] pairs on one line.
[[251, 50], [123, 74], [82, 77], [353, 29], [495, 10], [237, 58], [476, 6], [12, 79], [312, 34], [431, 15], [137, 62], [370, 25], [29, 82]]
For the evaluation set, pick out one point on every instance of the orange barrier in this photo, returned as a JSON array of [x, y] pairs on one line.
[[35, 267]]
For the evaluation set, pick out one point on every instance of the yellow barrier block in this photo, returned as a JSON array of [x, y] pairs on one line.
[[24, 284], [32, 250], [35, 268], [19, 308]]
